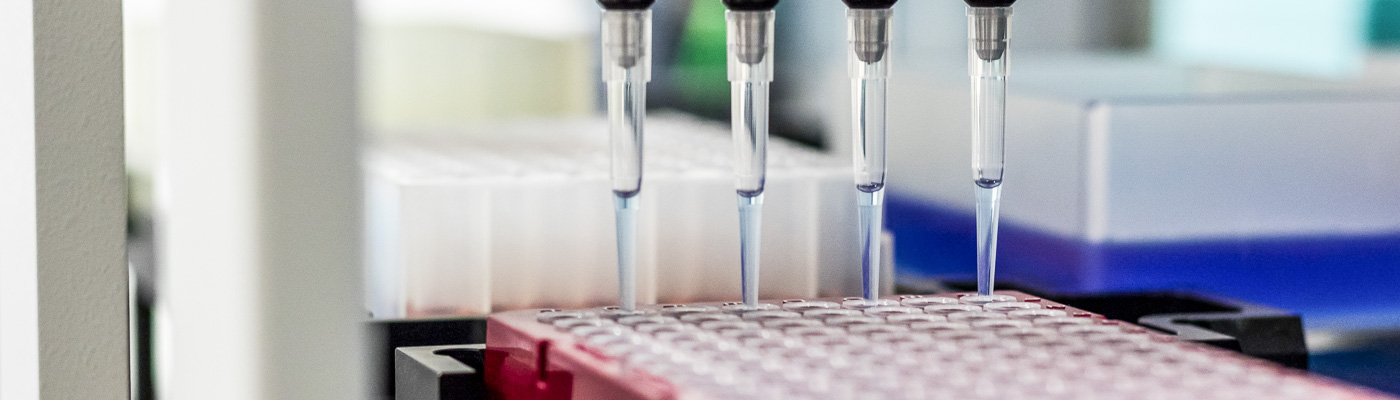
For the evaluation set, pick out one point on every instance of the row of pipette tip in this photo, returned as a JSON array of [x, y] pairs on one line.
[[626, 57]]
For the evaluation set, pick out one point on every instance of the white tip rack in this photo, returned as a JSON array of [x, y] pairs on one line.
[[517, 216]]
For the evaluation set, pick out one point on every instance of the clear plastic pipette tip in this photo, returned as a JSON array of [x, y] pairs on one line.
[[750, 61], [626, 57], [868, 35], [988, 51]]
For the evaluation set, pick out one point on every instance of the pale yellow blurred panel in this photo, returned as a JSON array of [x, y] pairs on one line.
[[445, 75], [141, 35]]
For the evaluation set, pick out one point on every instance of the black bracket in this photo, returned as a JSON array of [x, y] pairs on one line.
[[1255, 330], [440, 372]]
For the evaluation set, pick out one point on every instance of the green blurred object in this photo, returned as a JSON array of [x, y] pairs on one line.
[[1385, 23], [701, 74]]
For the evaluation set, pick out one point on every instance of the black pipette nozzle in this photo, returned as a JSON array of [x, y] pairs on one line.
[[990, 18], [990, 3], [625, 4], [870, 28], [625, 27], [751, 38], [869, 4], [750, 5]]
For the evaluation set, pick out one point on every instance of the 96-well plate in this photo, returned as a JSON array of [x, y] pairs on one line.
[[950, 346]]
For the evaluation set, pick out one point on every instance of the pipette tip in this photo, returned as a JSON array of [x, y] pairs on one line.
[[750, 234]]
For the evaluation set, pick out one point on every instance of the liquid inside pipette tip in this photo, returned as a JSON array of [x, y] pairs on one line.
[[625, 208], [750, 222], [871, 217], [988, 207]]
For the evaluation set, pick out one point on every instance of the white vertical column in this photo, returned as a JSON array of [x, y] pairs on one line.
[[63, 272], [260, 293]]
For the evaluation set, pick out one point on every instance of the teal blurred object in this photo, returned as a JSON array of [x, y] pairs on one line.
[[1321, 38], [1385, 23]]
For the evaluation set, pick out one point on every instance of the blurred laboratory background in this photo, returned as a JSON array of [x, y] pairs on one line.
[[1244, 149]]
